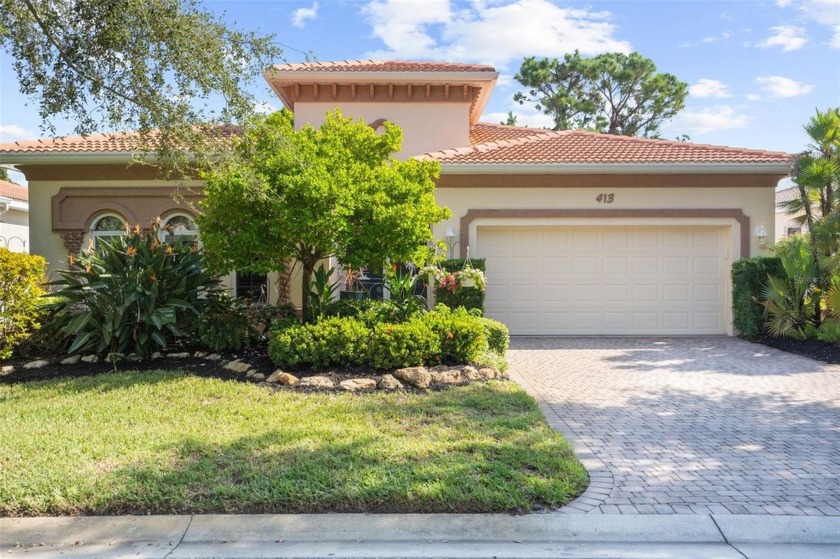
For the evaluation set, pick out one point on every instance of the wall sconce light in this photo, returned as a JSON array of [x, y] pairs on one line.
[[450, 241], [761, 236]]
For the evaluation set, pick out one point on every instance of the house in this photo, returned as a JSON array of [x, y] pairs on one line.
[[787, 224], [583, 233], [14, 217]]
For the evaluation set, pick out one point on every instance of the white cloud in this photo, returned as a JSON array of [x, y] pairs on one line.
[[778, 86], [719, 117], [752, 97], [300, 15], [710, 39], [13, 133], [788, 37], [825, 13], [498, 33], [783, 3], [709, 88]]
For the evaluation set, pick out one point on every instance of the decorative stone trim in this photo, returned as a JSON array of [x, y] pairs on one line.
[[72, 240]]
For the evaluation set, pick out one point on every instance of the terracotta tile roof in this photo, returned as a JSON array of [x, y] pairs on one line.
[[98, 143], [787, 194], [482, 132], [383, 66], [581, 147], [74, 144], [13, 191]]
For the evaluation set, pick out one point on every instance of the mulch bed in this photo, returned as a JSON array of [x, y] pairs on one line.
[[256, 356], [815, 349]]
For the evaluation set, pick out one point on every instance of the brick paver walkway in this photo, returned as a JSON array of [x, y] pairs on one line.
[[690, 425]]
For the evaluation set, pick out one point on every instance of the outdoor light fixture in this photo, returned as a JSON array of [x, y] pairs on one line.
[[450, 241], [761, 236]]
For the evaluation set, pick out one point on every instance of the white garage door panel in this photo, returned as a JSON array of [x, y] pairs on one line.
[[605, 280]]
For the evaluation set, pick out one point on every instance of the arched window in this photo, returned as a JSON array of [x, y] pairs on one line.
[[106, 227], [179, 226]]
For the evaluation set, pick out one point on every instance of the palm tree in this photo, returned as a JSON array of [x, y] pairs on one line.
[[817, 175]]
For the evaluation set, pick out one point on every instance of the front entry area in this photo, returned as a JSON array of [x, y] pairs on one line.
[[607, 280]]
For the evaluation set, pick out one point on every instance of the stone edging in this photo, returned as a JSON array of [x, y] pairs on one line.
[[415, 377], [601, 480]]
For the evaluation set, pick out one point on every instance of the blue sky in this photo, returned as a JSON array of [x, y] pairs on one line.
[[757, 69]]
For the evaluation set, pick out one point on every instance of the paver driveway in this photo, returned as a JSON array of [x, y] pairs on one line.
[[690, 425]]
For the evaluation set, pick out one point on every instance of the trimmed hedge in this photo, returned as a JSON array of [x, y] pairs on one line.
[[467, 297], [21, 276], [497, 336], [332, 341], [749, 276], [456, 337], [393, 346], [461, 334]]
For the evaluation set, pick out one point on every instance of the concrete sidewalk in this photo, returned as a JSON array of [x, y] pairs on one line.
[[423, 535]]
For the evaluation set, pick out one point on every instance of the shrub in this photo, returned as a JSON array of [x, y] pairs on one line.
[[749, 278], [405, 304], [497, 336], [132, 295], [224, 324], [410, 344], [333, 341], [20, 288], [467, 297], [829, 331], [262, 317], [353, 308], [461, 335]]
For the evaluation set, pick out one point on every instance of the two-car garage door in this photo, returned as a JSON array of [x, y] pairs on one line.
[[606, 280]]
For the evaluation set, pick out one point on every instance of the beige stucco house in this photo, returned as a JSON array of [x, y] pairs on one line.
[[583, 233], [14, 217], [787, 224]]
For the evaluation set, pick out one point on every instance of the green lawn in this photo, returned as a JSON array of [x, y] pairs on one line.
[[166, 442]]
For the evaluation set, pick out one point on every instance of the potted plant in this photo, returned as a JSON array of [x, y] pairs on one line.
[[353, 288], [471, 277]]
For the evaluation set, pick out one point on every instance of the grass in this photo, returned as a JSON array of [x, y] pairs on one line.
[[167, 442]]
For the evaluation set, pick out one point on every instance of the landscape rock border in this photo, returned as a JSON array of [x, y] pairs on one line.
[[240, 368]]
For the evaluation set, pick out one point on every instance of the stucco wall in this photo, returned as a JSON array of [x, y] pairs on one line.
[[756, 203], [426, 127], [783, 221], [14, 230], [48, 243]]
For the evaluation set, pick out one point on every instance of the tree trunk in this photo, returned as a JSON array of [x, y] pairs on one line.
[[815, 253], [307, 269]]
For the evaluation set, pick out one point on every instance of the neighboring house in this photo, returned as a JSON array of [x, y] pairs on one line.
[[787, 224], [14, 217], [583, 233]]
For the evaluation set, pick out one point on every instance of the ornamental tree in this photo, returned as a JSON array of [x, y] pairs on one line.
[[306, 195], [614, 93]]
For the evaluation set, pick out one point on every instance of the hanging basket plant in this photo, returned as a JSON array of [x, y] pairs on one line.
[[471, 277]]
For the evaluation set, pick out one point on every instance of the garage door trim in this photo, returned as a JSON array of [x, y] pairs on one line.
[[736, 214]]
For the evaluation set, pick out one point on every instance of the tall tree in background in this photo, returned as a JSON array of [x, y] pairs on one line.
[[155, 67], [614, 93]]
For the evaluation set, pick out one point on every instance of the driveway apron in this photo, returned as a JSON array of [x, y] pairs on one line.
[[690, 425]]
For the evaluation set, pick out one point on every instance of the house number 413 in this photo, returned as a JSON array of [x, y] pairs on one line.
[[605, 198]]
